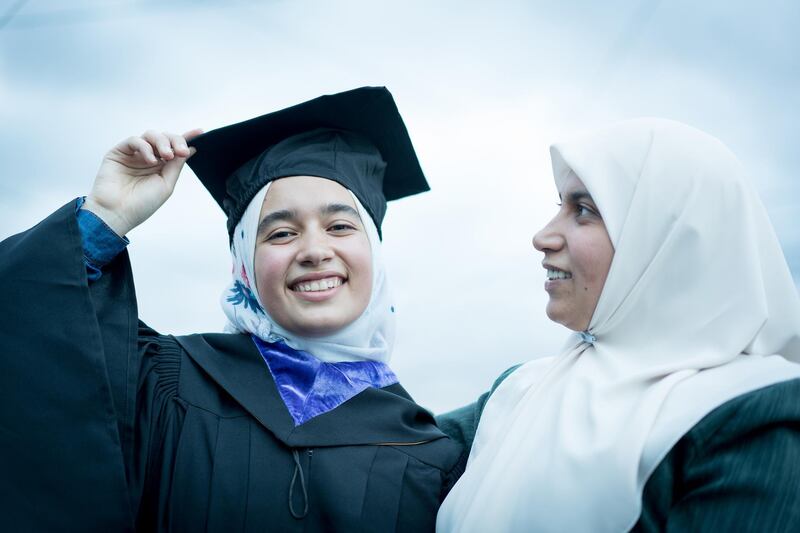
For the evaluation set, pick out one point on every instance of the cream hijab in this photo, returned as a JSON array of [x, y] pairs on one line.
[[699, 307]]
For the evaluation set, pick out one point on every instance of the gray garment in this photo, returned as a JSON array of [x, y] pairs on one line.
[[738, 469]]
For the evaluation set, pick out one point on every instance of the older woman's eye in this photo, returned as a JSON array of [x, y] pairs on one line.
[[582, 210]]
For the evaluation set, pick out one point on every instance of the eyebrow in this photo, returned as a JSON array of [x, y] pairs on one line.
[[332, 209], [276, 216], [291, 214], [578, 196]]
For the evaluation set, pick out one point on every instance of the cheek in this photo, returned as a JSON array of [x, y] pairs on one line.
[[595, 260], [360, 260], [270, 272]]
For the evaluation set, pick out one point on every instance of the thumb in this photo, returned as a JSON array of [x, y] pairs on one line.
[[172, 168]]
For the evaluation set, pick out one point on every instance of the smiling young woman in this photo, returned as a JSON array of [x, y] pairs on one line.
[[293, 419]]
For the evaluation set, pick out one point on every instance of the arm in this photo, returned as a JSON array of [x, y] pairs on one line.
[[100, 243], [750, 485], [68, 374], [737, 469], [461, 424]]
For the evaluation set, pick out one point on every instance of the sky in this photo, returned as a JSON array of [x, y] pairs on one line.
[[484, 89]]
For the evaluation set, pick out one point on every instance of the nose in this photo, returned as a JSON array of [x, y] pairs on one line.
[[315, 249], [549, 239]]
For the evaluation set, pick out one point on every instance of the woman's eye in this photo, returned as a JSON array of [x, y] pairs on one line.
[[337, 228], [278, 235], [583, 210]]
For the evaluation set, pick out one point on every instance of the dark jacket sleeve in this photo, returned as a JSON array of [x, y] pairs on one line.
[[736, 470], [462, 423], [68, 377]]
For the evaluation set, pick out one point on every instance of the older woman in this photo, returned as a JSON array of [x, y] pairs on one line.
[[293, 421], [674, 405]]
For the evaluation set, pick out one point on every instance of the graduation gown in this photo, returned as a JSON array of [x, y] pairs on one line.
[[735, 470], [108, 426]]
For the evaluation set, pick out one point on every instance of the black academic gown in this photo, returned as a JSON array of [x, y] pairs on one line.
[[108, 426]]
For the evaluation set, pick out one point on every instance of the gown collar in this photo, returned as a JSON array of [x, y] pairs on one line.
[[310, 387], [386, 415]]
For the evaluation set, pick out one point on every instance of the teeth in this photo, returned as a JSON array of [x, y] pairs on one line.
[[557, 274], [318, 285]]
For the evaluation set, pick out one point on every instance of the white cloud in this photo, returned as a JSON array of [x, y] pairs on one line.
[[484, 88]]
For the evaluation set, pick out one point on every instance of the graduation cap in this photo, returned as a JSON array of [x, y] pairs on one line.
[[356, 138]]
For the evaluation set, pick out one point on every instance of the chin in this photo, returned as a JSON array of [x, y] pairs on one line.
[[317, 326], [318, 330], [560, 317], [552, 313]]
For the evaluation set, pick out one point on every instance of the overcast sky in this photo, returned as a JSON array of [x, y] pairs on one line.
[[484, 87]]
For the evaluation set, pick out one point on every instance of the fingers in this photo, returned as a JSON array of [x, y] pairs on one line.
[[161, 143], [183, 151], [191, 134], [133, 145], [171, 171], [178, 144], [154, 146]]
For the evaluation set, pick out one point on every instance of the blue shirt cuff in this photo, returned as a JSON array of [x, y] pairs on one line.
[[100, 243]]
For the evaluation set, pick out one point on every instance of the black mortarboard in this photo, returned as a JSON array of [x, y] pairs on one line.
[[356, 138]]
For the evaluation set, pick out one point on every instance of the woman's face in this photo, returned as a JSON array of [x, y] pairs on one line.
[[313, 263], [577, 256]]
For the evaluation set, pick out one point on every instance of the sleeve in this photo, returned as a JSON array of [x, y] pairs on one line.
[[462, 423], [68, 375], [100, 243], [743, 477]]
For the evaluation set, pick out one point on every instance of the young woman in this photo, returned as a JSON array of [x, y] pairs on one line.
[[673, 406], [293, 421]]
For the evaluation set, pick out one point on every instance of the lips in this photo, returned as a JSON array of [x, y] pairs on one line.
[[317, 282], [554, 273], [323, 284]]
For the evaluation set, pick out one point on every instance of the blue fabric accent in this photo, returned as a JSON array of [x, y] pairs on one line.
[[588, 337], [100, 243], [310, 387]]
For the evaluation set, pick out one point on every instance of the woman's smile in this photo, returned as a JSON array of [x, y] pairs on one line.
[[555, 277], [317, 287]]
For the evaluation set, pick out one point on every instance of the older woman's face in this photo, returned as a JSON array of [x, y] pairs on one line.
[[577, 256], [313, 262]]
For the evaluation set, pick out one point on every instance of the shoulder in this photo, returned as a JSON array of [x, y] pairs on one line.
[[735, 469], [462, 423], [760, 411], [198, 369]]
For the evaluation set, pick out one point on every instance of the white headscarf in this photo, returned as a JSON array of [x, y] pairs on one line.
[[369, 337], [697, 301]]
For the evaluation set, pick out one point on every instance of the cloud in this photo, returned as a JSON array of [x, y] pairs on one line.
[[483, 87]]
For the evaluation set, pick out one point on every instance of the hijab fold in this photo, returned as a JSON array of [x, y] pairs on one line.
[[698, 308]]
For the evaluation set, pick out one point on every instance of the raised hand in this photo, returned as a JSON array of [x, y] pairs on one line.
[[137, 176]]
